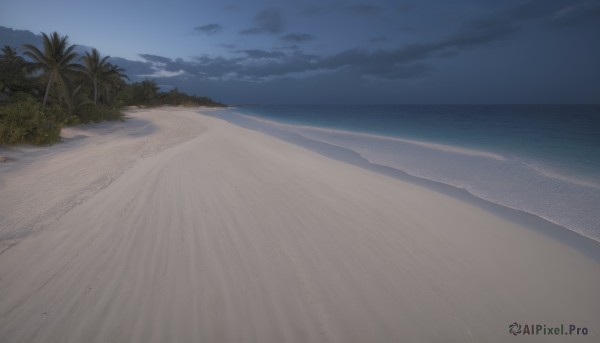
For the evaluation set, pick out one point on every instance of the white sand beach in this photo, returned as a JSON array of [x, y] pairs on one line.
[[179, 227]]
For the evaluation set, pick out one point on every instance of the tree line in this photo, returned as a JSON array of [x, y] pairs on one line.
[[47, 88]]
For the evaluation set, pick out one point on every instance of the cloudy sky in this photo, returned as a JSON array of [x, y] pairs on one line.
[[340, 51]]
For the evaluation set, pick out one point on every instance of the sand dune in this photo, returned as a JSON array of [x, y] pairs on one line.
[[177, 227]]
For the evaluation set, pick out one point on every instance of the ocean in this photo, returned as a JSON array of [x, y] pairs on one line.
[[540, 159]]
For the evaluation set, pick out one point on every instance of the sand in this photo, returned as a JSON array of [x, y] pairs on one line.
[[178, 227]]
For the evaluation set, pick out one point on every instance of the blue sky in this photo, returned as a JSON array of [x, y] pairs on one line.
[[334, 51]]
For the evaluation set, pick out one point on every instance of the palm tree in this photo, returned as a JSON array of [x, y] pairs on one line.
[[10, 54], [104, 75], [12, 71], [94, 66], [55, 60], [117, 71], [112, 80]]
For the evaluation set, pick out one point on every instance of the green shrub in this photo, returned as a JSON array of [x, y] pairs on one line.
[[20, 96], [26, 122], [98, 113]]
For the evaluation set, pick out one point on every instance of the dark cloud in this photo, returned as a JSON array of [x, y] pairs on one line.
[[132, 68], [215, 67], [286, 64], [480, 32], [257, 53], [209, 29], [155, 58], [581, 13], [361, 8], [554, 13], [383, 65], [268, 20], [160, 67], [498, 26], [288, 47], [408, 61], [228, 46], [252, 31], [298, 37]]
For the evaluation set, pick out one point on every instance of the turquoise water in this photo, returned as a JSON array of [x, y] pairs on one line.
[[541, 159]]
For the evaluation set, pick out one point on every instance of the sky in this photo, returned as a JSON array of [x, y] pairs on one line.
[[338, 51]]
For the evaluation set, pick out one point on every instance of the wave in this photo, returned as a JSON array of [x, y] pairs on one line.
[[430, 145], [549, 172]]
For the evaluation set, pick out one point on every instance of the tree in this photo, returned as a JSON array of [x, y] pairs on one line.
[[9, 54], [75, 100], [104, 76], [94, 66], [54, 61], [12, 71], [112, 81], [149, 90]]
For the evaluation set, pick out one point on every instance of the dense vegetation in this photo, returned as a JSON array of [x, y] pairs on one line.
[[146, 93], [46, 89]]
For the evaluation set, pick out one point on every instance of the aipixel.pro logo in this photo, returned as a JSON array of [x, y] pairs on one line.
[[516, 329]]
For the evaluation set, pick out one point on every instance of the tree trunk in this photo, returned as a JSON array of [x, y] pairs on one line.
[[95, 91], [48, 89]]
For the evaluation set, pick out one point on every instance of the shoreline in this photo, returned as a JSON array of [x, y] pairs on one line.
[[177, 226], [588, 245]]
